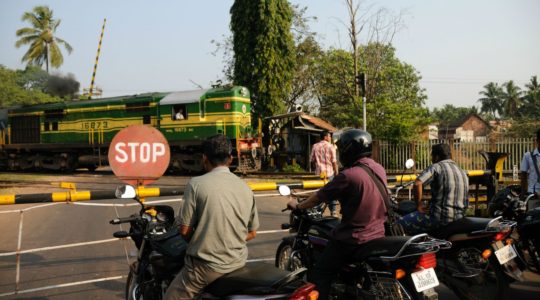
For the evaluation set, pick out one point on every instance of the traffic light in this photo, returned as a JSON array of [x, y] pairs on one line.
[[361, 81]]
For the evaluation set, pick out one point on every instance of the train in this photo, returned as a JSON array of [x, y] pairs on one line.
[[66, 136]]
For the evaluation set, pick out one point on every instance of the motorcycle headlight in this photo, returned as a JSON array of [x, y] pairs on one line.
[[147, 217], [161, 217]]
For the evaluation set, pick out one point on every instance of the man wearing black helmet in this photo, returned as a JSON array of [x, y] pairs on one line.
[[362, 206]]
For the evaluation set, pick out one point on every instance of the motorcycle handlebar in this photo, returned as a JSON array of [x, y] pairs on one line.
[[123, 220]]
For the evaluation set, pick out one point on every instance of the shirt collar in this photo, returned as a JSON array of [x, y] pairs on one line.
[[535, 152], [221, 169]]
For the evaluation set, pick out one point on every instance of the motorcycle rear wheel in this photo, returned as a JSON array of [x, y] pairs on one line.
[[284, 258], [491, 284], [533, 249]]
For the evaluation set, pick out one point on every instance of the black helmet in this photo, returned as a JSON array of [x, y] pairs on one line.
[[352, 145]]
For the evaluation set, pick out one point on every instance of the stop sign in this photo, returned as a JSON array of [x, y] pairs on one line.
[[139, 154]]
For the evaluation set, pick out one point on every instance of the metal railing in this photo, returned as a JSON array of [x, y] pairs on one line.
[[393, 156]]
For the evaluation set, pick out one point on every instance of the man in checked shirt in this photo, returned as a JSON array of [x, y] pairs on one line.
[[449, 194], [323, 156]]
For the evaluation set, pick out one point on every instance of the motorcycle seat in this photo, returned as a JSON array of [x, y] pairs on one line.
[[386, 246], [462, 226], [256, 278]]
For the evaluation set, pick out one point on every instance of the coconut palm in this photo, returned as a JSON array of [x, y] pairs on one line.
[[511, 99], [43, 44], [491, 102], [531, 100]]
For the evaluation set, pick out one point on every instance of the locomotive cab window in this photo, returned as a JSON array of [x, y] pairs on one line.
[[179, 112]]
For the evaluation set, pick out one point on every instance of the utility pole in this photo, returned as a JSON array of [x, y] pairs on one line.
[[91, 90]]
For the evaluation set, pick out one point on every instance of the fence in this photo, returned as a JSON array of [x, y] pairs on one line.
[[393, 156]]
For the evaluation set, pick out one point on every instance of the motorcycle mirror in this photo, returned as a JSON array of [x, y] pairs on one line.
[[284, 190], [125, 192], [409, 163]]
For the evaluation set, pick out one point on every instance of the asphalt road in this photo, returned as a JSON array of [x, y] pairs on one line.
[[97, 271]]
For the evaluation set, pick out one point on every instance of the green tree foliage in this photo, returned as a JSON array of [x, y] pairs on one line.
[[395, 107], [15, 90], [44, 45], [530, 108], [264, 53], [511, 97], [450, 113], [492, 99]]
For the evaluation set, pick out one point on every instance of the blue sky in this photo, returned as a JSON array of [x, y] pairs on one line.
[[457, 46]]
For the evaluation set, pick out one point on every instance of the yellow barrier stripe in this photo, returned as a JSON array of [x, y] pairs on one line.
[[60, 196], [405, 178], [476, 173], [148, 192], [7, 199], [262, 186], [80, 196], [313, 184]]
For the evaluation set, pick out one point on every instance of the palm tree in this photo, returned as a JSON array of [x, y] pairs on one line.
[[531, 99], [511, 98], [491, 102], [43, 44]]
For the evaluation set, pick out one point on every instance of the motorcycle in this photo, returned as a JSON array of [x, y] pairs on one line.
[[161, 251], [469, 268], [508, 204], [399, 267]]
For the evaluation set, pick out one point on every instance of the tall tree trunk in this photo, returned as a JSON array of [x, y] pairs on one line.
[[47, 57]]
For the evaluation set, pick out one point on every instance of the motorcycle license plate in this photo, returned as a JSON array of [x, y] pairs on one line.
[[505, 254], [425, 279]]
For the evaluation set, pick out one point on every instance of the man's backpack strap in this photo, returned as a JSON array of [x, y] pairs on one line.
[[395, 229]]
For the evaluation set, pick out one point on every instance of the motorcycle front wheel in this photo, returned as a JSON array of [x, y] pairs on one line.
[[132, 287], [286, 259]]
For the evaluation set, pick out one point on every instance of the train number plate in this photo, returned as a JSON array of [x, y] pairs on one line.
[[505, 254], [425, 279]]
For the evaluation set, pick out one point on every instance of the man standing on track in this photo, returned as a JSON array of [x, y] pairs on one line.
[[323, 156]]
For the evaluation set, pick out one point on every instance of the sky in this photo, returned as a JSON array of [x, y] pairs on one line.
[[457, 46]]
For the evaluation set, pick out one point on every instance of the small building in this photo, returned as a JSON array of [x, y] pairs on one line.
[[468, 128], [292, 137]]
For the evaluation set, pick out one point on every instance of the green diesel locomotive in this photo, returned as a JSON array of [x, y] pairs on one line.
[[71, 135]]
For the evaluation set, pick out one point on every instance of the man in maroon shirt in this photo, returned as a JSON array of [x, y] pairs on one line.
[[362, 207]]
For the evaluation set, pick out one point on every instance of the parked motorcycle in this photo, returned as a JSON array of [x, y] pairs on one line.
[[161, 256], [469, 268], [508, 204], [399, 267]]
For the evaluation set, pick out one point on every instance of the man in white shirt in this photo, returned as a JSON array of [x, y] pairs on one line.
[[530, 172]]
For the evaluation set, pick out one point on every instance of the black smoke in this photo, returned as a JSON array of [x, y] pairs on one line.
[[66, 87]]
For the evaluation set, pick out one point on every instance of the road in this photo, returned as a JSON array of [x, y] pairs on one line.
[[97, 271]]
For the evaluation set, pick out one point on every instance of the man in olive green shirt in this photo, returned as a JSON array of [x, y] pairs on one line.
[[218, 217]]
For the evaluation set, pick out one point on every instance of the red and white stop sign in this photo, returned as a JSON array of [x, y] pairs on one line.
[[139, 154]]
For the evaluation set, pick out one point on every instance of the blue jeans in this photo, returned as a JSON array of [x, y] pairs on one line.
[[417, 222]]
